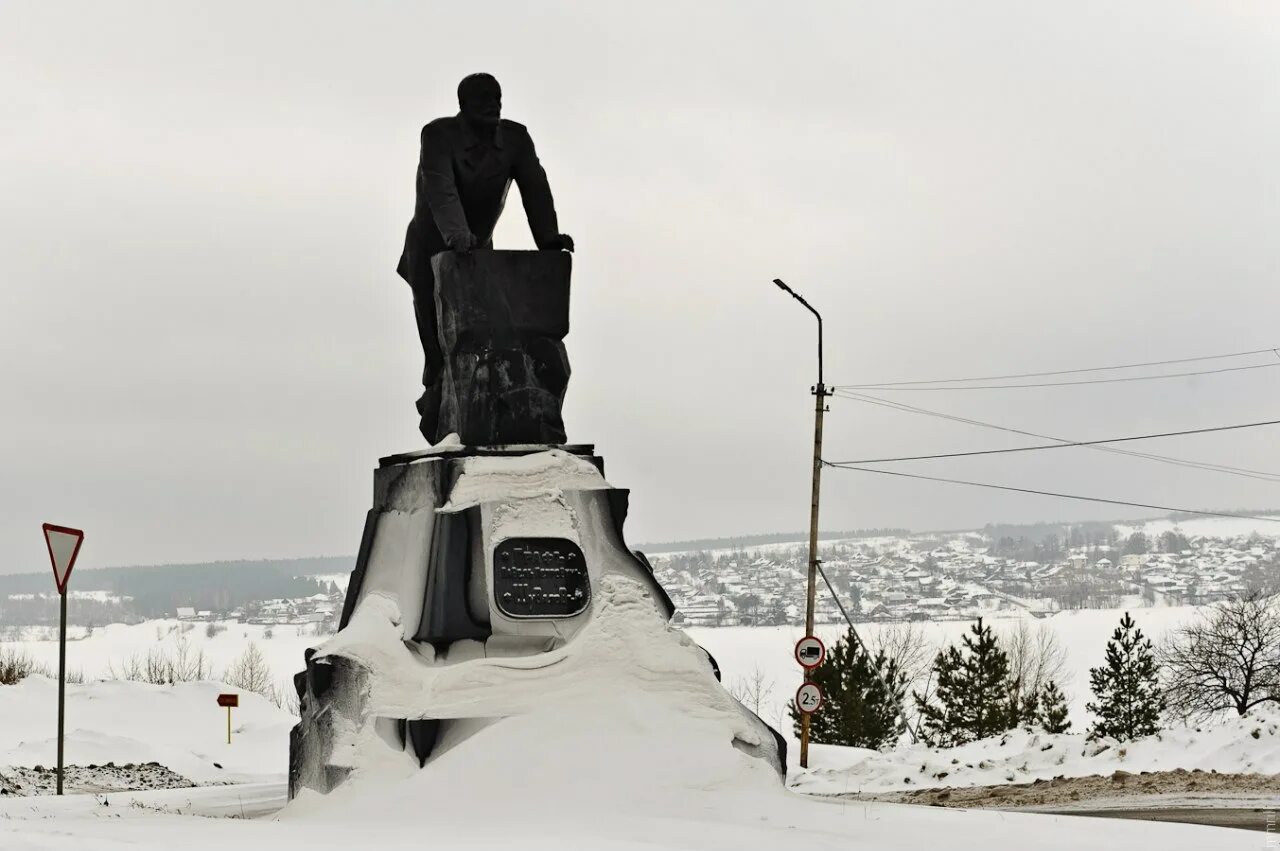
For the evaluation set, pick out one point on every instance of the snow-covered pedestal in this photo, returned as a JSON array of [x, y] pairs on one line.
[[491, 585]]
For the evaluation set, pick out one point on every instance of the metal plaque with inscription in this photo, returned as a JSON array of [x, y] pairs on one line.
[[540, 578]]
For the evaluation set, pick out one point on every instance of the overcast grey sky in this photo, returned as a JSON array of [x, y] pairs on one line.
[[204, 347]]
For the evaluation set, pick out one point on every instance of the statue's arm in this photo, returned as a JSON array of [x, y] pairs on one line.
[[535, 192], [436, 168]]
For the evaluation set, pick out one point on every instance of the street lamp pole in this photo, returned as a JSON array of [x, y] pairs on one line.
[[820, 393]]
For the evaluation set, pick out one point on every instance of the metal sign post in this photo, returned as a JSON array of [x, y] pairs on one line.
[[63, 544], [228, 700]]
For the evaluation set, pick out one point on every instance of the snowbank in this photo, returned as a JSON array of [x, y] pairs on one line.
[[180, 727], [1248, 745]]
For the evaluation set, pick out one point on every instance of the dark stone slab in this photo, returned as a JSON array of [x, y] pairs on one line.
[[503, 316]]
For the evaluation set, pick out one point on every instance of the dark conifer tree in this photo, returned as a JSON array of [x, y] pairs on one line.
[[1053, 709], [972, 697], [1128, 698]]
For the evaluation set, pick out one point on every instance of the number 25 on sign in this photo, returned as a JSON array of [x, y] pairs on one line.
[[809, 698]]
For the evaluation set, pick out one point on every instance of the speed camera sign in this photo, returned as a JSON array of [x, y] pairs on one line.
[[809, 698]]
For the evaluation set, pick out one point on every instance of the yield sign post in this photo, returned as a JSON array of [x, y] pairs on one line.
[[64, 545]]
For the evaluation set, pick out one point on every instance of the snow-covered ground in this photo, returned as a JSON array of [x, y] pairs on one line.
[[623, 770], [617, 773], [181, 727], [1249, 745]]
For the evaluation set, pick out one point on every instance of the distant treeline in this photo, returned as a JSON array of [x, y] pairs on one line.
[[741, 541], [158, 590]]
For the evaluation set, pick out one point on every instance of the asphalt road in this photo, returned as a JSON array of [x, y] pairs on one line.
[[1241, 818]]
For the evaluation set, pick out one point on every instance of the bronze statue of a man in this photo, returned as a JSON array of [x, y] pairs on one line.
[[464, 172]]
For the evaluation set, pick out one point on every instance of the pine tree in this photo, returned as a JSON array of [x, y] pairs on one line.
[[1129, 700], [862, 698], [1025, 705], [1053, 709], [974, 699]]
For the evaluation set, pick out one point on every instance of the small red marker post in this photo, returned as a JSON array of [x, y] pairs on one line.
[[63, 544], [228, 700]]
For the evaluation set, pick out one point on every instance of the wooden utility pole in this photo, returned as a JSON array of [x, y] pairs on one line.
[[820, 394]]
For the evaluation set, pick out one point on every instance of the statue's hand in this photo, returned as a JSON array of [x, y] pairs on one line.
[[564, 242], [462, 243]]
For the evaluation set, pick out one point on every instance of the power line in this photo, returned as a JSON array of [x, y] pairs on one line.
[[1276, 352], [882, 388], [1164, 459], [1051, 493], [1061, 445]]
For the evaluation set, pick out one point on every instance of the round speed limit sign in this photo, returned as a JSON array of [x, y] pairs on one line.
[[809, 698]]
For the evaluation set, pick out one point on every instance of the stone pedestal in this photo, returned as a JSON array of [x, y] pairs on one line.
[[503, 316]]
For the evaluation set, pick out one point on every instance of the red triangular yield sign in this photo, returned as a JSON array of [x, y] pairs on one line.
[[64, 545]]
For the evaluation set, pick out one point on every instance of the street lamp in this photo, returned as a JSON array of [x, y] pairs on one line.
[[820, 393]]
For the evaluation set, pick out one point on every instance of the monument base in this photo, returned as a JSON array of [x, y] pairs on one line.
[[489, 584]]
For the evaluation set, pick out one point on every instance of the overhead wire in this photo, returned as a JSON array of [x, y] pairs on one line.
[[1150, 456], [1062, 445], [1170, 362], [1038, 492], [885, 387]]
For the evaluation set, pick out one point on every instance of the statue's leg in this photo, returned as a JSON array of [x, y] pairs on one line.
[[424, 311]]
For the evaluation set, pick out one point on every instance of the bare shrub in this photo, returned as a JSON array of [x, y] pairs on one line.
[[17, 665], [1036, 658], [1227, 659], [285, 697], [913, 653], [753, 690], [250, 672], [905, 643], [164, 666]]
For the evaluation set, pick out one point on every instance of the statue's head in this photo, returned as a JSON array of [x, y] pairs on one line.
[[480, 98]]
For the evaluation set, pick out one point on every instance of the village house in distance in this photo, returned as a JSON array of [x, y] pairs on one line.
[[892, 578]]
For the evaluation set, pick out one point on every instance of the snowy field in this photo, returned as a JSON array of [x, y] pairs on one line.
[[740, 651]]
